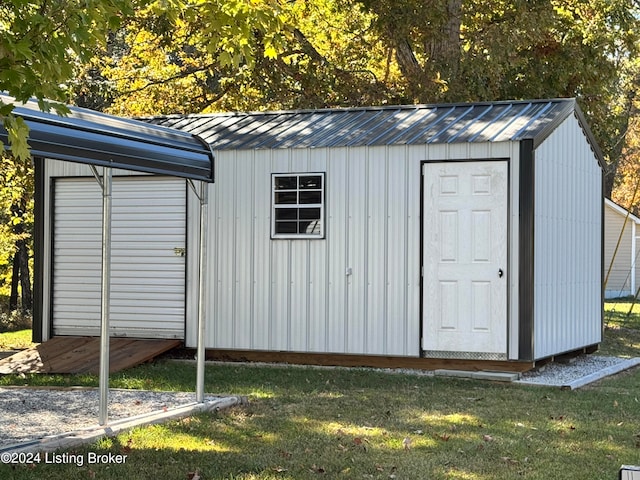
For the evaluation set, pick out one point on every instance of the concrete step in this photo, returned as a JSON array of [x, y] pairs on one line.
[[491, 376]]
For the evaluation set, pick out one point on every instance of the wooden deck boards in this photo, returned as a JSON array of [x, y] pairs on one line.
[[82, 355], [374, 361]]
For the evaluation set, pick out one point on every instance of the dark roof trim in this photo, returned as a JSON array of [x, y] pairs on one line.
[[589, 134], [89, 137]]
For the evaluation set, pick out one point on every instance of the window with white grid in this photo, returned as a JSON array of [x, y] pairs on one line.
[[297, 205]]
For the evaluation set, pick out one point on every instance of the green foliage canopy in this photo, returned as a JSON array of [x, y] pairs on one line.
[[210, 55], [41, 43]]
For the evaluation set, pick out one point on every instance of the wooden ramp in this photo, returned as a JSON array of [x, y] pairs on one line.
[[82, 355]]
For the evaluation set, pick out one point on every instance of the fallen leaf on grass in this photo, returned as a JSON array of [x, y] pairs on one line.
[[487, 438], [360, 442], [193, 475], [127, 447], [316, 469], [278, 469], [406, 443]]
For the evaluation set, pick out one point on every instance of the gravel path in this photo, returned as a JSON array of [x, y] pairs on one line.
[[585, 369], [33, 413]]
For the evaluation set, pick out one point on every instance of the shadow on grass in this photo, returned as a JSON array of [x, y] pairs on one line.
[[621, 328], [306, 423]]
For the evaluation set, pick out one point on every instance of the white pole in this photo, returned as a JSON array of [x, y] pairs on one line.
[[106, 294], [200, 354]]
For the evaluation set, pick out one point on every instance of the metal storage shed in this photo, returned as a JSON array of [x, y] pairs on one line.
[[93, 139], [621, 231], [399, 235]]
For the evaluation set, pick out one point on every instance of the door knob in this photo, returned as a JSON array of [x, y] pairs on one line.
[[500, 273]]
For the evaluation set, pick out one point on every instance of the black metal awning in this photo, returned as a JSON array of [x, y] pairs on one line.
[[93, 138]]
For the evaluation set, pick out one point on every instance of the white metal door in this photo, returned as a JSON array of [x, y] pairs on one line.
[[465, 259], [147, 265]]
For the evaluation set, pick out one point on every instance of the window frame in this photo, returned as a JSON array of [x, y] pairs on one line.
[[298, 206]]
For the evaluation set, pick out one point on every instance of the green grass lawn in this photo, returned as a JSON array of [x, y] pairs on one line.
[[306, 423], [15, 340], [622, 330], [351, 424]]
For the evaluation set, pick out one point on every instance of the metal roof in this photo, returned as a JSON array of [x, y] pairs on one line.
[[388, 125], [89, 137]]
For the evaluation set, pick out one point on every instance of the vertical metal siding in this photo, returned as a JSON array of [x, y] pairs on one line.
[[298, 295], [337, 299], [259, 252], [567, 296], [280, 272], [299, 325], [357, 248], [396, 286], [295, 295], [378, 241], [242, 287], [318, 258]]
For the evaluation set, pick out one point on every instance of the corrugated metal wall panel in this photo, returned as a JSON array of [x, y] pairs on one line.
[[401, 268], [357, 249], [260, 254], [280, 273], [222, 239], [296, 295], [242, 288], [377, 275], [568, 203], [336, 248], [298, 324], [148, 279], [317, 305]]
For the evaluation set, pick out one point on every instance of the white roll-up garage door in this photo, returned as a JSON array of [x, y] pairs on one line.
[[148, 263]]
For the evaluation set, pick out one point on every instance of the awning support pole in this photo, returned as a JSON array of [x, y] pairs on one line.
[[203, 197], [106, 185]]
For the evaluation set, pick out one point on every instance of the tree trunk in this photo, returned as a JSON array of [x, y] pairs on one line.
[[13, 298], [20, 273], [25, 278], [445, 48]]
